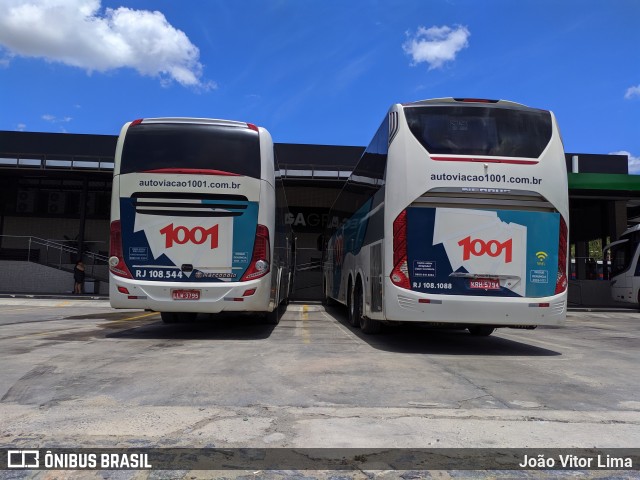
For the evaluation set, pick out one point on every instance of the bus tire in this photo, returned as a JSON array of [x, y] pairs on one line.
[[169, 317], [273, 318], [367, 325], [287, 300], [480, 330], [287, 294], [186, 317], [353, 320], [370, 326]]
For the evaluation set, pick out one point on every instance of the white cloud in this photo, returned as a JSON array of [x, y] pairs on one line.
[[80, 34], [634, 162], [436, 45], [632, 92], [21, 127], [53, 119]]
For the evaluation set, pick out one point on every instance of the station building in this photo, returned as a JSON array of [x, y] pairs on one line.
[[55, 192]]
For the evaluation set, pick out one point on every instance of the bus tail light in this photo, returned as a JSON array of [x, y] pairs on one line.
[[117, 266], [260, 258], [475, 100], [400, 272], [561, 281]]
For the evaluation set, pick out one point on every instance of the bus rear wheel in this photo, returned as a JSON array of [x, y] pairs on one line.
[[273, 318], [175, 317], [168, 317], [480, 330], [354, 320], [367, 325]]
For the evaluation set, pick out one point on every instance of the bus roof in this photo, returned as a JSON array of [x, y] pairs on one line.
[[449, 100], [199, 121]]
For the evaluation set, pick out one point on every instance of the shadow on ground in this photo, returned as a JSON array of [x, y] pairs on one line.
[[423, 339]]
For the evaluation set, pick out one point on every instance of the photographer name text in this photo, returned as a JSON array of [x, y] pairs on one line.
[[573, 461]]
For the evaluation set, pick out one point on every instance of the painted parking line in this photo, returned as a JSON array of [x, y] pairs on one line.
[[346, 331], [40, 334], [306, 334], [53, 332], [3, 310]]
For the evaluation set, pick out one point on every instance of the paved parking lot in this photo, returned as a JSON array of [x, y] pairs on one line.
[[79, 373]]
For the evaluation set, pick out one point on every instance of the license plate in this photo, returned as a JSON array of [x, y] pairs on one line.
[[185, 294], [484, 284]]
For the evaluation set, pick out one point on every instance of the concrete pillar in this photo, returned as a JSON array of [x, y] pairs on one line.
[[582, 251], [617, 219]]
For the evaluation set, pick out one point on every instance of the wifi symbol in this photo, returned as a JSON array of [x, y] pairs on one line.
[[542, 256]]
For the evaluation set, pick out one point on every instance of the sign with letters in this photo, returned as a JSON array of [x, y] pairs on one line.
[[482, 252]]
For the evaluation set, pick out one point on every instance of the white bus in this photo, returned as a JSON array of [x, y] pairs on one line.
[[625, 267], [456, 214], [197, 220]]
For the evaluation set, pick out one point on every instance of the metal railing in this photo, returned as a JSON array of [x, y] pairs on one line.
[[53, 253], [69, 162]]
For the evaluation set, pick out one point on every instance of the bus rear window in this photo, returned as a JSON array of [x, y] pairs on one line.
[[480, 130], [206, 147]]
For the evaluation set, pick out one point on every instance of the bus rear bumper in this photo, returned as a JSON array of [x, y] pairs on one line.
[[407, 306], [222, 297]]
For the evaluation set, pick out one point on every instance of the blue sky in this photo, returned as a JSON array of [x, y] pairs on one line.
[[319, 71]]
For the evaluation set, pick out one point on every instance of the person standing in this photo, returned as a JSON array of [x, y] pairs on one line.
[[78, 277]]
